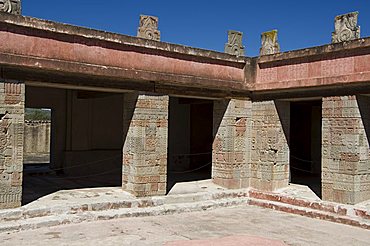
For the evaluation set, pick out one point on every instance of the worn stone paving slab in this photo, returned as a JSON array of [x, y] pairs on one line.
[[229, 241], [219, 223]]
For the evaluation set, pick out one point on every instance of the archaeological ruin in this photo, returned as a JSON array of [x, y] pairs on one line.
[[143, 114]]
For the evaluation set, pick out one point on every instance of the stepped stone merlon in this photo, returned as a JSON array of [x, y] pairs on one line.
[[10, 6], [269, 43], [148, 28], [346, 28], [234, 45]]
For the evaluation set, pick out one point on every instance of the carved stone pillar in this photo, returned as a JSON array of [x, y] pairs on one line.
[[11, 143], [345, 149], [10, 6], [346, 28], [234, 45], [231, 146], [270, 43], [145, 144], [269, 145], [148, 28]]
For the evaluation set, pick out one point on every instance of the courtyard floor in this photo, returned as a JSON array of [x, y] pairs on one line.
[[223, 226]]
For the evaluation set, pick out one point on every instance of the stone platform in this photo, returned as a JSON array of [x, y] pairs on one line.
[[75, 206]]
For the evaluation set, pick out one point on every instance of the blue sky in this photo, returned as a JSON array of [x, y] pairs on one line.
[[204, 23]]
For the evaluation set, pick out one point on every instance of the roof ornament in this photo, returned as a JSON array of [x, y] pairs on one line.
[[148, 28], [10, 6], [346, 28], [234, 45]]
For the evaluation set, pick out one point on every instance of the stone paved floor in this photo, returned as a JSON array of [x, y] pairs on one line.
[[236, 222]]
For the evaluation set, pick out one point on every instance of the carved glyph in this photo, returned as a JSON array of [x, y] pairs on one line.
[[234, 45], [270, 43], [10, 6], [149, 28], [346, 28]]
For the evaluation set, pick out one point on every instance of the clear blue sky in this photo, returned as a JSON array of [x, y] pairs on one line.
[[204, 23]]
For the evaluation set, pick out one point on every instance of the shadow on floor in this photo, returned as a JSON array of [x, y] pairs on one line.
[[313, 181], [177, 177], [39, 180]]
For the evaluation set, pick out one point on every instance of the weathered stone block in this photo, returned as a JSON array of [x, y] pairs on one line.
[[346, 28], [234, 45], [270, 43], [10, 6], [148, 29]]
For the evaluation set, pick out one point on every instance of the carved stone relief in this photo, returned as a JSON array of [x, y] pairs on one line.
[[10, 6], [149, 28], [346, 28], [234, 45], [270, 43]]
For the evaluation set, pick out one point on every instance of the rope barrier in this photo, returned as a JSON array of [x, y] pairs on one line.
[[89, 176], [195, 154], [190, 171], [299, 159], [302, 170], [88, 163]]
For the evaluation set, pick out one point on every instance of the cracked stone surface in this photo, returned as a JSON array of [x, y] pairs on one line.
[[217, 225]]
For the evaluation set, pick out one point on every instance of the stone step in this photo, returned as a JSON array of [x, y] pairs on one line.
[[88, 216], [41, 211], [36, 216], [310, 212]]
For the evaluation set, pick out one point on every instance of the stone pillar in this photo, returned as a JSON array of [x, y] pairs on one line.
[[11, 6], [230, 155], [269, 145], [145, 144], [345, 149], [346, 28], [269, 43], [11, 143]]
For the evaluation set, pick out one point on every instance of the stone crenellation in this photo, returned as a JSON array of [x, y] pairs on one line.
[[148, 28], [10, 6], [234, 45], [346, 28], [269, 42]]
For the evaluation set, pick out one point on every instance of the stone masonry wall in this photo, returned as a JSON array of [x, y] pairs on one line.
[[345, 149], [36, 148], [145, 144], [230, 156], [269, 145], [11, 143]]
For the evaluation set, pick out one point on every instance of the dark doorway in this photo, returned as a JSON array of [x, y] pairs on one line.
[[86, 141], [190, 137], [305, 144]]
